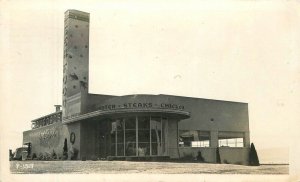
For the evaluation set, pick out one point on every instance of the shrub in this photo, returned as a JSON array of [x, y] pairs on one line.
[[74, 154], [187, 157], [34, 157], [40, 157], [218, 157], [47, 156], [253, 158], [94, 158], [199, 157], [238, 163], [53, 155], [65, 150]]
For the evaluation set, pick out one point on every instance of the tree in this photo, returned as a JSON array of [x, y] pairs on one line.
[[218, 160], [65, 150], [253, 158]]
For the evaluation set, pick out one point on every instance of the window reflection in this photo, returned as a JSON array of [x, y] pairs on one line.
[[164, 134], [231, 142], [144, 123], [231, 139], [144, 135], [150, 131], [194, 138], [130, 136], [130, 143], [156, 135], [130, 123]]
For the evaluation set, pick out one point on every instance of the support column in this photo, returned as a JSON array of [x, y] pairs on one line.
[[172, 138], [214, 139], [247, 139]]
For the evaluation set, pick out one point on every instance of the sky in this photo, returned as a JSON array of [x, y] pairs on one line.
[[244, 51]]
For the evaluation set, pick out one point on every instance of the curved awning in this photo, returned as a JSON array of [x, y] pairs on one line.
[[123, 112]]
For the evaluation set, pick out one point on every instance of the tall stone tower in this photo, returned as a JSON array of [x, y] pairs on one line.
[[75, 62]]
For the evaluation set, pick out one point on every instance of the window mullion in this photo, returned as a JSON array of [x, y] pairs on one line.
[[150, 137], [136, 135], [116, 141], [124, 145]]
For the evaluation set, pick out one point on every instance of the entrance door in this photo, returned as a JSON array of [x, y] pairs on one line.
[[102, 138]]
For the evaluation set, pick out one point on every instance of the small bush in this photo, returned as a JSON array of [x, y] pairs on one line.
[[47, 156], [93, 158], [65, 150], [187, 157], [74, 154], [253, 158], [199, 157], [109, 158], [40, 157], [34, 157], [53, 155], [225, 161], [65, 156], [218, 157], [238, 163]]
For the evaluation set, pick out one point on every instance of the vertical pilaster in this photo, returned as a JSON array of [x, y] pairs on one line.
[[172, 138], [247, 139], [214, 139]]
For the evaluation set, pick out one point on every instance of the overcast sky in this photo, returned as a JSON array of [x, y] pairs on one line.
[[241, 51]]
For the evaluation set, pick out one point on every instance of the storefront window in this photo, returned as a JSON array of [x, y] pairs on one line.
[[156, 135], [144, 136], [130, 123], [144, 123], [130, 136], [149, 130]]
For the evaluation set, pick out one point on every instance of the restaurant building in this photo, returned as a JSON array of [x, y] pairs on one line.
[[133, 127]]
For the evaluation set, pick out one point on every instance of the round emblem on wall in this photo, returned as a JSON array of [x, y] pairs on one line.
[[72, 137]]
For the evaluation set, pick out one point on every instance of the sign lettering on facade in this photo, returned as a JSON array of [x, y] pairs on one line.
[[146, 105]]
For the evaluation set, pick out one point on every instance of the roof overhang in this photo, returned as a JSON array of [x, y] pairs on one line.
[[123, 112]]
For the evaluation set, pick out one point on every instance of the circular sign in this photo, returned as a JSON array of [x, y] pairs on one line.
[[72, 137]]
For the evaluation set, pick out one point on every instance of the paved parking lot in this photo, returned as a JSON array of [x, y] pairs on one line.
[[111, 167]]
